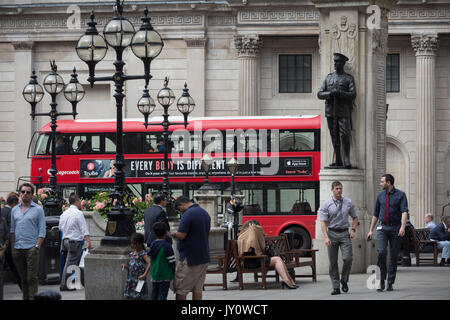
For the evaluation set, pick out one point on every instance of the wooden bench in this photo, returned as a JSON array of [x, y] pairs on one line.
[[292, 258], [225, 264], [232, 262], [423, 245]]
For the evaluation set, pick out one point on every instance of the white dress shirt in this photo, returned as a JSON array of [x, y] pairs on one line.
[[73, 225]]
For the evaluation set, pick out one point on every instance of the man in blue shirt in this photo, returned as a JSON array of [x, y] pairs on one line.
[[193, 248], [391, 209], [27, 234]]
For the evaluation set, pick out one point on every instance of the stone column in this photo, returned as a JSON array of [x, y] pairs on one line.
[[425, 46], [196, 66], [248, 50], [23, 66], [345, 28], [208, 199]]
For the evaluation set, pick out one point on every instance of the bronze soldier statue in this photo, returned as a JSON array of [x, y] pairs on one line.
[[338, 90]]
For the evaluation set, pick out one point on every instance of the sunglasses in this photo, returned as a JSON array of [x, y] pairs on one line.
[[23, 192]]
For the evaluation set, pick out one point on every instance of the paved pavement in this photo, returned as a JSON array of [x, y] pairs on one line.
[[413, 283]]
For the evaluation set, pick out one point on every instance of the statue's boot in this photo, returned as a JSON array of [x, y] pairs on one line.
[[338, 160], [346, 146]]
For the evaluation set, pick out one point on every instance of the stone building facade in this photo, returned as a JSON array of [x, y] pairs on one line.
[[229, 54]]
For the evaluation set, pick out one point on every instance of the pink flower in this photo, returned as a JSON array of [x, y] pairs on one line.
[[83, 203], [135, 200], [99, 206], [43, 196], [114, 202], [41, 191]]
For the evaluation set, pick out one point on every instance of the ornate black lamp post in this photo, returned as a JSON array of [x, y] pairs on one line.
[[185, 105], [33, 93], [146, 44]]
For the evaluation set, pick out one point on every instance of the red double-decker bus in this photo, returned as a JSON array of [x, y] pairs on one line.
[[278, 174]]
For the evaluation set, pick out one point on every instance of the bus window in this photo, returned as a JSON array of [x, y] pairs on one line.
[[247, 141], [296, 140], [42, 144], [271, 201], [95, 143], [153, 143], [213, 141], [243, 141], [84, 144], [297, 201], [253, 195], [110, 143]]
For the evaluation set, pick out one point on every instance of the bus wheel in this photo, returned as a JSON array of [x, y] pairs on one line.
[[299, 239]]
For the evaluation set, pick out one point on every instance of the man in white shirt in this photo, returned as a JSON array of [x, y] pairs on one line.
[[73, 227], [429, 223]]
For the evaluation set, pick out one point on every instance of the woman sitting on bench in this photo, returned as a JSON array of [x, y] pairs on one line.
[[251, 238]]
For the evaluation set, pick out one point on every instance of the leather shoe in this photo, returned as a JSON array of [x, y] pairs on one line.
[[381, 286], [344, 286], [335, 292], [235, 280], [389, 288]]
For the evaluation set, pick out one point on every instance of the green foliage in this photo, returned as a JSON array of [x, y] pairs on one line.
[[98, 203]]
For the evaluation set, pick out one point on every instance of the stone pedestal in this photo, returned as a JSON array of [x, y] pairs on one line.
[[96, 226], [103, 278], [364, 253], [208, 199]]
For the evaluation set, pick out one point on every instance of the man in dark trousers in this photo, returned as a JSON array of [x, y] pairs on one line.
[[11, 202], [391, 209], [441, 234], [339, 90], [155, 213]]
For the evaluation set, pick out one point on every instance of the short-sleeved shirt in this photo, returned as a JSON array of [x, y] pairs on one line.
[[27, 226], [335, 212], [196, 223], [397, 205]]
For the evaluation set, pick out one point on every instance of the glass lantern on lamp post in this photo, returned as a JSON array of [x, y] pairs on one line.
[[33, 94], [185, 105]]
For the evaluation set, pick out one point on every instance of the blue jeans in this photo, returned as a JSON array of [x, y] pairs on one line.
[[445, 247], [160, 290], [388, 235]]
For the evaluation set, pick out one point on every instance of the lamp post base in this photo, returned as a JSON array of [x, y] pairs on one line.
[[119, 228], [53, 206]]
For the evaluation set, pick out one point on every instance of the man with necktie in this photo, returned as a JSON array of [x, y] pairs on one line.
[[391, 213]]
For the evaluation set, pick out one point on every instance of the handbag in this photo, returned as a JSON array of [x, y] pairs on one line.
[[271, 250]]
